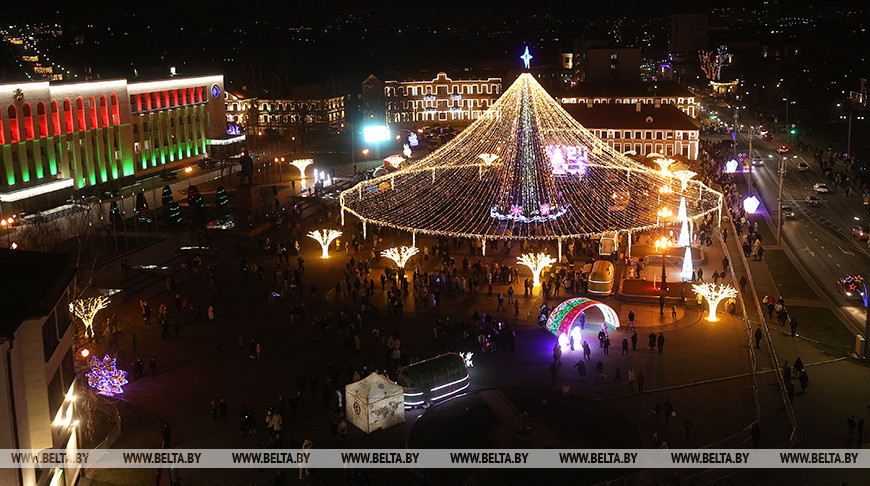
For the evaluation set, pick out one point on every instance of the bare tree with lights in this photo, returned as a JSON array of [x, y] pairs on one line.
[[536, 263], [324, 237], [400, 254], [714, 294], [86, 309]]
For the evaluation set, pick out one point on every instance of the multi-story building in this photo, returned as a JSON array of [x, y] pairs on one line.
[[60, 137], [663, 92], [37, 372], [688, 36], [641, 128], [610, 64], [284, 115], [442, 99]]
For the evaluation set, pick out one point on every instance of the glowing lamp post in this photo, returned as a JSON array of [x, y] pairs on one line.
[[189, 172], [400, 254], [714, 294], [301, 164], [663, 244], [536, 263], [86, 310], [324, 237]]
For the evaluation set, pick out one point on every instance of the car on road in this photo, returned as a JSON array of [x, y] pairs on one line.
[[782, 150], [802, 167], [813, 201], [858, 231], [757, 162], [851, 287], [788, 212], [821, 188]]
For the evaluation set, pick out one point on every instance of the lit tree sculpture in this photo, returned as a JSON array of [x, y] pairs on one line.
[[86, 310], [488, 159], [684, 176], [714, 294], [324, 237], [106, 377], [664, 163], [302, 164], [400, 254], [536, 263]]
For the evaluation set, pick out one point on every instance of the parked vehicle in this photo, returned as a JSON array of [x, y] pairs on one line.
[[821, 188], [788, 212], [858, 231], [802, 167]]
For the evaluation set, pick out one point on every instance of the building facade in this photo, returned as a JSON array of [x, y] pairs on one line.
[[37, 395], [641, 128], [442, 99], [287, 116], [59, 137], [662, 92]]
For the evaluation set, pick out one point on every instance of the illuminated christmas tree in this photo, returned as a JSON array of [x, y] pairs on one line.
[[105, 376], [195, 199], [221, 199], [172, 207], [524, 169], [143, 212]]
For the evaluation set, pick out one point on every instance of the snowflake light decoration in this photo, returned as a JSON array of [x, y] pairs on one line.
[[714, 294], [545, 209], [400, 254], [324, 237], [105, 376], [467, 357], [536, 263], [516, 210]]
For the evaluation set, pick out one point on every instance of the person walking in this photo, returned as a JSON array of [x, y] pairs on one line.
[[152, 365], [617, 377], [804, 380], [661, 342], [557, 354], [587, 351], [758, 336], [214, 411], [652, 341], [641, 379], [517, 308], [631, 319], [743, 283], [724, 266], [793, 323], [661, 305], [624, 346], [850, 422], [631, 378], [633, 341], [581, 369], [607, 346], [500, 302]]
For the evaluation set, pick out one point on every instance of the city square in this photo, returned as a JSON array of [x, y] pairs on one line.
[[449, 262]]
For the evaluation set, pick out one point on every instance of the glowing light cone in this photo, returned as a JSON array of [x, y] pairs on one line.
[[685, 239], [688, 268]]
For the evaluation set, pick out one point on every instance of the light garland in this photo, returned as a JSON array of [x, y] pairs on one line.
[[525, 169], [714, 294], [400, 254], [86, 309], [536, 263], [324, 237]]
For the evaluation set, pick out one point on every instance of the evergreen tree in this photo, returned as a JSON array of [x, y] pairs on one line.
[[221, 198], [143, 212], [115, 214], [195, 199]]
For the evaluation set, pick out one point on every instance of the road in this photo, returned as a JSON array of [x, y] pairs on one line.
[[821, 235]]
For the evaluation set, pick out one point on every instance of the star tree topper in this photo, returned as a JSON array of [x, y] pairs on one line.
[[526, 57]]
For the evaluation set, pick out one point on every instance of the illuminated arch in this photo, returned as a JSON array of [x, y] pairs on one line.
[[562, 318]]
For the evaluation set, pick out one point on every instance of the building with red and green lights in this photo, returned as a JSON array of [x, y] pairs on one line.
[[58, 138]]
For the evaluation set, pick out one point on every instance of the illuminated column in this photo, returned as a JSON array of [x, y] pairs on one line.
[[364, 230], [688, 268], [414, 238], [685, 239], [559, 240], [324, 237]]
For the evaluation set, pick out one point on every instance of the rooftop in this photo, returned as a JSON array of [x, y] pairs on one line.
[[660, 89], [624, 116], [31, 285]]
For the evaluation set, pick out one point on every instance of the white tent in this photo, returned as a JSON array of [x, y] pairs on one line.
[[374, 403]]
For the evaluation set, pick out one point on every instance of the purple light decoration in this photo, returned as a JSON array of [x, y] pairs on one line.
[[516, 210], [566, 159], [105, 377], [751, 204], [234, 130], [545, 209]]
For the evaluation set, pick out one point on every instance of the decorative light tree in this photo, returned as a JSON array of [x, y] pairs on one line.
[[714, 294], [664, 163], [221, 199], [688, 268], [106, 377], [143, 212], [171, 205], [195, 199], [86, 309], [324, 237], [400, 254], [684, 176], [536, 263], [301, 164]]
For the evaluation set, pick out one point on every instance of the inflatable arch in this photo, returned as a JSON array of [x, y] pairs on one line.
[[561, 320]]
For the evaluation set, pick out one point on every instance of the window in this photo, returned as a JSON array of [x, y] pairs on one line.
[[104, 110], [648, 135], [55, 393], [638, 135], [116, 113], [28, 121], [2, 136], [660, 135], [14, 135], [68, 116], [50, 339]]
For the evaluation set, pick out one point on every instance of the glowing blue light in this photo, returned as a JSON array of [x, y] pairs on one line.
[[376, 133], [751, 204], [526, 57], [731, 166]]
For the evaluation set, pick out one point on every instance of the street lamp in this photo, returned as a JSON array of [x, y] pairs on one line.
[[664, 244], [189, 171]]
